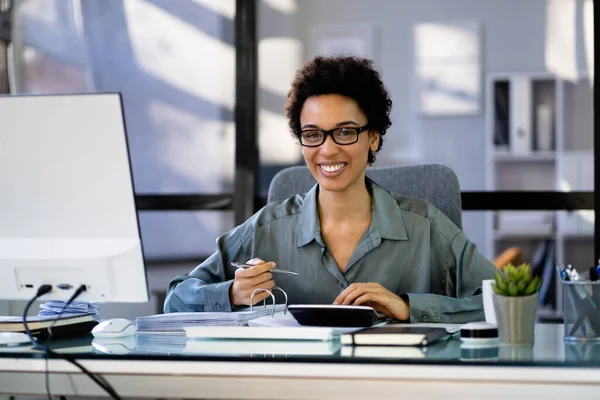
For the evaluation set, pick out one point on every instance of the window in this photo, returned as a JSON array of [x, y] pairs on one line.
[[3, 74], [173, 62]]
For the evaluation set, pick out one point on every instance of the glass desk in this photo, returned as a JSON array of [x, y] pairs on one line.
[[164, 366]]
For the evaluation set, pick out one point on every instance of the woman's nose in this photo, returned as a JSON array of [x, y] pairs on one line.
[[329, 146]]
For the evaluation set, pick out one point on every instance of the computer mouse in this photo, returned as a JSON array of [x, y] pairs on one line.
[[112, 328]]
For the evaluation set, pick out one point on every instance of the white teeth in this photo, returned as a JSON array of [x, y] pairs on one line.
[[332, 168]]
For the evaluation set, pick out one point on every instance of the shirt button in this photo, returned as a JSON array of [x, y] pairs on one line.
[[218, 307]]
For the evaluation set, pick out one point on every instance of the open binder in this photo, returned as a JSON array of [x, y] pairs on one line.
[[328, 315], [301, 323], [174, 323], [304, 322], [274, 324]]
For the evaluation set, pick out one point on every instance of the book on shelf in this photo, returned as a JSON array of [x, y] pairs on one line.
[[502, 116], [520, 125]]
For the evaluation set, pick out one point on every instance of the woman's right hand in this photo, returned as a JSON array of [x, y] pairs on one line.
[[247, 280]]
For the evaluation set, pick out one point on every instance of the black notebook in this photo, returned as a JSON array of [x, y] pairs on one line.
[[393, 336], [66, 326], [335, 315]]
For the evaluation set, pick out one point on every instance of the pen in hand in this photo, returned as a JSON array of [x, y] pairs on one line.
[[275, 271]]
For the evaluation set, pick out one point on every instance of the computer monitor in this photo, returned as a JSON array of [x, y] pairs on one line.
[[67, 206]]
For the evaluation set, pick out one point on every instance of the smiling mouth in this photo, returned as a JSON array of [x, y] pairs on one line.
[[332, 167]]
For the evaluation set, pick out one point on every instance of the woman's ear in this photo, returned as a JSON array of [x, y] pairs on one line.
[[374, 136]]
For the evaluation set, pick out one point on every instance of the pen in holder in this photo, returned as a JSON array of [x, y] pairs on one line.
[[272, 298], [581, 305]]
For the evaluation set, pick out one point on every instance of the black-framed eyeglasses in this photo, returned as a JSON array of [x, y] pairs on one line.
[[342, 136]]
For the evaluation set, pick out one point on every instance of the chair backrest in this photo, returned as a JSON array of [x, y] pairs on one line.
[[435, 183]]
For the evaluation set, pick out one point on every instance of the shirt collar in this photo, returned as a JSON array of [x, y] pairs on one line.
[[309, 218], [386, 214], [387, 220]]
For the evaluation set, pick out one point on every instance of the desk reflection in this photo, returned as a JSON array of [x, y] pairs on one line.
[[549, 348]]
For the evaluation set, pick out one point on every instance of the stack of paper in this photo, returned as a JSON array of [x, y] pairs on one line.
[[175, 322], [279, 319], [55, 307]]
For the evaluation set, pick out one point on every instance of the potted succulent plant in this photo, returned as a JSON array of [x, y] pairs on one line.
[[515, 303]]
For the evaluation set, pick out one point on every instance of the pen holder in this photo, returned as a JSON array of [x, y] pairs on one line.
[[581, 308], [582, 351]]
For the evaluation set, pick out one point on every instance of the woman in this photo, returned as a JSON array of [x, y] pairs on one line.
[[349, 240]]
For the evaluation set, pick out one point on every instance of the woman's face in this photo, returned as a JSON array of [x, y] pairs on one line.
[[336, 167]]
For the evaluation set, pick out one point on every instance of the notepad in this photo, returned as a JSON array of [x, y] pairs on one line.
[[450, 328], [393, 336]]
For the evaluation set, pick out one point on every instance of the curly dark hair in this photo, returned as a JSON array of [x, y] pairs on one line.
[[352, 77]]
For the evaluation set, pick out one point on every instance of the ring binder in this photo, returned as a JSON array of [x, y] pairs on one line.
[[285, 307]]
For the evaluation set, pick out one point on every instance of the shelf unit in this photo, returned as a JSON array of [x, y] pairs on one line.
[[539, 136], [537, 156]]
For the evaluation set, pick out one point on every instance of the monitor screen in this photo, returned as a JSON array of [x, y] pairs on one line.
[[67, 205]]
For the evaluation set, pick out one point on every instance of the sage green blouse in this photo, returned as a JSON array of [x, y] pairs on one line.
[[410, 247]]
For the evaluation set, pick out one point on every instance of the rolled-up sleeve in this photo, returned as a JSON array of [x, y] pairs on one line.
[[459, 299], [206, 288]]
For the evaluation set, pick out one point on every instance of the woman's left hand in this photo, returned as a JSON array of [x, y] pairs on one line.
[[376, 296]]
